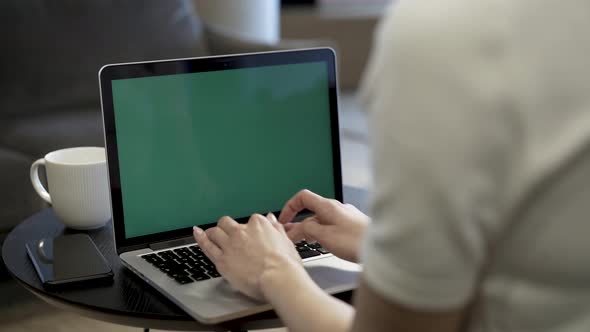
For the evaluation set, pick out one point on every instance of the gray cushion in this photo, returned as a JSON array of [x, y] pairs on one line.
[[36, 135], [52, 50]]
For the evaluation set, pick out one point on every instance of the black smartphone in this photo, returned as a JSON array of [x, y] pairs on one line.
[[68, 261]]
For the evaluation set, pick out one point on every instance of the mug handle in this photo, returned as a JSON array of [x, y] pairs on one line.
[[37, 182]]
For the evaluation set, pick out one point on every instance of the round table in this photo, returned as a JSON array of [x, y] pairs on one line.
[[129, 300]]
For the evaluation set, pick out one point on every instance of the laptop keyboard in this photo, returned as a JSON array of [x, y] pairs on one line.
[[307, 250], [189, 264], [185, 265]]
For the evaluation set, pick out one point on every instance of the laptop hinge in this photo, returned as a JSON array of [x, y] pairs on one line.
[[172, 243]]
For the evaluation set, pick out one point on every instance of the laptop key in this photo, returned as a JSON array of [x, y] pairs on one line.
[[182, 254], [206, 262], [308, 253], [152, 261], [175, 264], [318, 247], [183, 280], [194, 249], [314, 245], [322, 250], [200, 277], [214, 274], [300, 249], [210, 269], [166, 257], [166, 269], [195, 273], [178, 274]]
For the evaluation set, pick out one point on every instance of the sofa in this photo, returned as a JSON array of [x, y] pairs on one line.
[[51, 52]]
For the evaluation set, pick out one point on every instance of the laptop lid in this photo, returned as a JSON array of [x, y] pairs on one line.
[[191, 140]]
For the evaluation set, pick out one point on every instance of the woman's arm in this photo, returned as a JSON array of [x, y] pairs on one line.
[[303, 306], [259, 260]]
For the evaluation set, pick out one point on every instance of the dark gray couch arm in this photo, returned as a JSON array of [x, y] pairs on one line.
[[17, 197]]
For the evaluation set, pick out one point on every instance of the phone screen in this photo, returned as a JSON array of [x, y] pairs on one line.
[[68, 259]]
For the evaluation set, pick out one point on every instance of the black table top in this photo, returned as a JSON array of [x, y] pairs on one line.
[[128, 295]]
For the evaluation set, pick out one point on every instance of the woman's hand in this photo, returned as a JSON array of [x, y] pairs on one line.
[[337, 227], [247, 254]]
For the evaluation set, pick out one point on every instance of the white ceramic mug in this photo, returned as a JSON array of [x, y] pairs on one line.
[[77, 186]]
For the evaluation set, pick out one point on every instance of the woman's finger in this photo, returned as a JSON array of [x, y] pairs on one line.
[[228, 225], [209, 248], [275, 223], [218, 237], [294, 231], [313, 231], [304, 199]]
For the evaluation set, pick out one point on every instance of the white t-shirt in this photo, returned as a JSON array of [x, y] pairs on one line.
[[480, 113]]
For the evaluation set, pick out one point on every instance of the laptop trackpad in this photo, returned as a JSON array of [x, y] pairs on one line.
[[333, 272]]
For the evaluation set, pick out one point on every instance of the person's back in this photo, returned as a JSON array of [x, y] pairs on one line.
[[482, 110]]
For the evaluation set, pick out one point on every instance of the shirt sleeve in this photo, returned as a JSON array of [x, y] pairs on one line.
[[443, 138]]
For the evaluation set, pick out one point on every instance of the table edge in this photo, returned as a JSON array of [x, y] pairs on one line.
[[149, 322]]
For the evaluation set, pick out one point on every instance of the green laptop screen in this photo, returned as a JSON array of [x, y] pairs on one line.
[[195, 147]]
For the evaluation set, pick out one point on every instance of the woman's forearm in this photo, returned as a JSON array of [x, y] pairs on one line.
[[303, 306]]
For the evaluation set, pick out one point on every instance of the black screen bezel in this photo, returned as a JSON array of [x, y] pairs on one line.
[[112, 72]]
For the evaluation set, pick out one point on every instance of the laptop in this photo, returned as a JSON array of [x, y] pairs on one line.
[[191, 140]]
